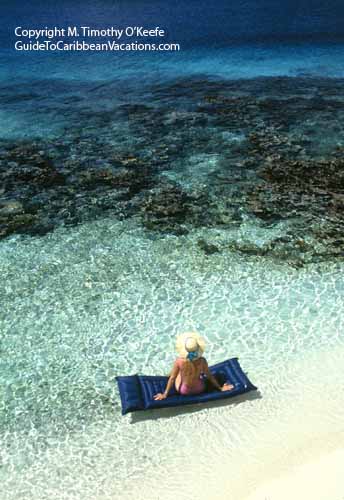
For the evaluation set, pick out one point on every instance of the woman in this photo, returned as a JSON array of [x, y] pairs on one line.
[[187, 369]]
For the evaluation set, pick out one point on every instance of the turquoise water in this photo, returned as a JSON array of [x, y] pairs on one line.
[[99, 293], [82, 305]]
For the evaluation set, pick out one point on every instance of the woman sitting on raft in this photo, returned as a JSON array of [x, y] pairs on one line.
[[188, 368]]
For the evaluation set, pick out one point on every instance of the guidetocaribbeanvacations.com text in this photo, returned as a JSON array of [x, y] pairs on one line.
[[69, 39], [48, 45]]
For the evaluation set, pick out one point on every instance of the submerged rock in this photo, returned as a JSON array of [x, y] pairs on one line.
[[267, 150], [22, 223], [208, 248], [10, 207], [166, 209], [27, 164]]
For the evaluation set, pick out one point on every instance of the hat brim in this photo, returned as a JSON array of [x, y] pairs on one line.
[[180, 343]]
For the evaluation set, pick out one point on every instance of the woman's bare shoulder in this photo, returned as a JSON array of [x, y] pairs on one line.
[[179, 361]]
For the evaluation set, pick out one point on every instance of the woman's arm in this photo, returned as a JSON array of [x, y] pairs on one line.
[[170, 382], [210, 376]]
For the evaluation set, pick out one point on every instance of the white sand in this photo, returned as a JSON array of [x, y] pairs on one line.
[[321, 479], [282, 446]]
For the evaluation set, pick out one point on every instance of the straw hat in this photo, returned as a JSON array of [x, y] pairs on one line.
[[190, 342]]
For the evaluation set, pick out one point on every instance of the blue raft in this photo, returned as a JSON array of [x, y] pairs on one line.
[[137, 391]]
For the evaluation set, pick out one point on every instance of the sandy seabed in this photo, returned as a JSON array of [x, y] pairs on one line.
[[78, 310], [290, 443], [320, 479]]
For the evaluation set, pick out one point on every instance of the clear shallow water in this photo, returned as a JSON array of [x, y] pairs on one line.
[[83, 304], [80, 306]]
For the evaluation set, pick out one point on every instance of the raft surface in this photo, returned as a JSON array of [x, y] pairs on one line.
[[137, 391]]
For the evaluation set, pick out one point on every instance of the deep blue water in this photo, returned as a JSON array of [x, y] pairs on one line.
[[241, 39], [192, 22]]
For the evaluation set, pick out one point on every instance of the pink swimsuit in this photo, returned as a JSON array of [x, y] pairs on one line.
[[197, 387]]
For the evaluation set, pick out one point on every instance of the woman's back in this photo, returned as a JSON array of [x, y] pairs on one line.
[[187, 369], [190, 381]]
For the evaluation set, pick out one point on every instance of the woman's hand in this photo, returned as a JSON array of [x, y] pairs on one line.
[[159, 396], [227, 387]]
